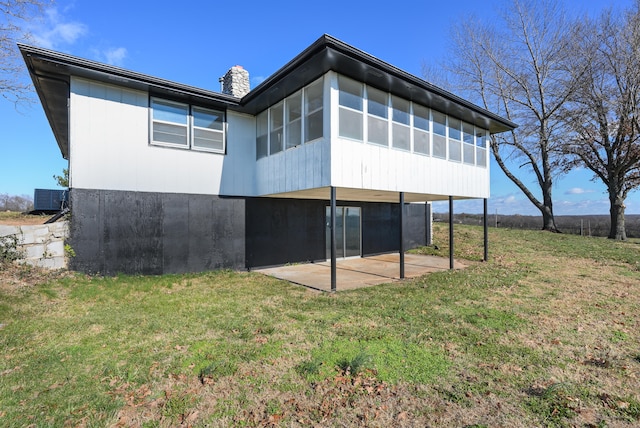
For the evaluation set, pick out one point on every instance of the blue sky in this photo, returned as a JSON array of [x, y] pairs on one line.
[[197, 42]]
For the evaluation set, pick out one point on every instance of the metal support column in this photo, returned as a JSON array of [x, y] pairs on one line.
[[450, 232], [332, 226], [401, 235], [486, 232]]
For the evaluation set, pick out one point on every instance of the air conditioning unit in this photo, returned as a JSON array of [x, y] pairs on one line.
[[50, 200]]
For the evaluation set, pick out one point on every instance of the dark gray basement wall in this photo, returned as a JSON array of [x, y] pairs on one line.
[[155, 233], [115, 232]]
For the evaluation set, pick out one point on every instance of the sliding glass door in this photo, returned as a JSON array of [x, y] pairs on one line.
[[348, 232]]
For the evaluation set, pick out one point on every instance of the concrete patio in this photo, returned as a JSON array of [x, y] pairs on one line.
[[360, 271]]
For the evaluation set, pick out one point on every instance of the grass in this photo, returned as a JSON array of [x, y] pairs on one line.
[[544, 334]]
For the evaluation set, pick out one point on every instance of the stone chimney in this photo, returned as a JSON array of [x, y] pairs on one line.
[[236, 82]]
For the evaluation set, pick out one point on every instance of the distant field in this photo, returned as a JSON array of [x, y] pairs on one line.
[[544, 334], [587, 225], [18, 218]]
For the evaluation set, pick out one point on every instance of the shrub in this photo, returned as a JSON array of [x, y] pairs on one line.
[[9, 250]]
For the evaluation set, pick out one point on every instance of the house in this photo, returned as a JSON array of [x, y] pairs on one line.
[[167, 178]]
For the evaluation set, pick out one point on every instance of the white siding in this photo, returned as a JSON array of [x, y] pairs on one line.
[[359, 165], [109, 148], [303, 167]]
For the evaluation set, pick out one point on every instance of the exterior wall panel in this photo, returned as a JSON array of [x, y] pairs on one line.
[[364, 166], [300, 168], [109, 145], [155, 233]]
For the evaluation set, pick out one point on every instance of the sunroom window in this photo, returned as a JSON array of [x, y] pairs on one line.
[[455, 137], [276, 128], [421, 129], [350, 113], [313, 102], [294, 120], [262, 134], [439, 134], [481, 147], [401, 131], [378, 125], [468, 149]]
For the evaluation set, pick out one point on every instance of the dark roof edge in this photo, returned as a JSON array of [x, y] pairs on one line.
[[124, 77], [124, 74], [328, 41], [391, 69]]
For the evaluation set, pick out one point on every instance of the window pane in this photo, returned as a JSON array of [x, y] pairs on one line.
[[468, 153], [207, 139], [400, 110], [313, 126], [313, 97], [377, 103], [172, 134], [275, 129], [420, 117], [421, 142], [350, 124], [170, 112], [401, 137], [294, 133], [439, 146], [350, 93], [467, 133], [378, 131], [439, 124], [294, 107], [313, 103], [262, 132], [454, 129], [481, 140], [294, 122], [352, 231], [481, 156], [211, 119], [455, 151], [276, 116]]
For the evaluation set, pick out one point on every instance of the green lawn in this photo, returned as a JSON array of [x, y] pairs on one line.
[[544, 334]]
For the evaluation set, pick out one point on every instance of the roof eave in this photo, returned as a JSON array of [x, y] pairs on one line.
[[51, 74], [328, 53]]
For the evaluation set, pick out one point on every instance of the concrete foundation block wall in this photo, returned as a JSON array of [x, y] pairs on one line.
[[42, 244]]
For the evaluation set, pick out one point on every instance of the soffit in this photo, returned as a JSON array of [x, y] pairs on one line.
[[344, 194]]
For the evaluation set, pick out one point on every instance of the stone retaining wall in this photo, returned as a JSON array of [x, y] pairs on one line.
[[41, 244]]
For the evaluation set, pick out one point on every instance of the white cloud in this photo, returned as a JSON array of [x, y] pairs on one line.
[[53, 30], [577, 191], [256, 80], [115, 56]]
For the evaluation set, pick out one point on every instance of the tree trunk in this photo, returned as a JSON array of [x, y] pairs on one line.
[[618, 229], [548, 220]]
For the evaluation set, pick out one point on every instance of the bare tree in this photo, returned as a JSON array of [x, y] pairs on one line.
[[602, 119], [18, 203], [516, 66], [14, 15]]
